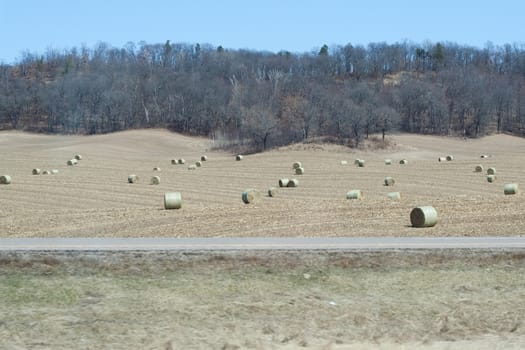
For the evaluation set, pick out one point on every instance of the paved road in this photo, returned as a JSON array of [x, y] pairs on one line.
[[181, 244]]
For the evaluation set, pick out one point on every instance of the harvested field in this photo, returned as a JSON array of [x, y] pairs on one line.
[[92, 199], [263, 300]]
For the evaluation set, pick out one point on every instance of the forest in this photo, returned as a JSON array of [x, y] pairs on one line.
[[263, 99]]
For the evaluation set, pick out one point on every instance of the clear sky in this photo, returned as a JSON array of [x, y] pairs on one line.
[[264, 25]]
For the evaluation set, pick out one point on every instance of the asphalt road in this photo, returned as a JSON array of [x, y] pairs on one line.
[[262, 243]]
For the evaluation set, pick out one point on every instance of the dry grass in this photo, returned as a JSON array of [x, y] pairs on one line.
[[75, 203], [263, 300]]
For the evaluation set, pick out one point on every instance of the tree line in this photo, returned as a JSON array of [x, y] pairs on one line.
[[263, 99]]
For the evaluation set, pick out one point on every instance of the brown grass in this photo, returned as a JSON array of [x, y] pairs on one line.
[[263, 300], [76, 203]]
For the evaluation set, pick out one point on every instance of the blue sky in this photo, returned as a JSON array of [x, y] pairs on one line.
[[269, 25]]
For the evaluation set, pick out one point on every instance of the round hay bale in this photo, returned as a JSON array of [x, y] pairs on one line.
[[491, 171], [133, 178], [389, 181], [425, 216], [388, 161], [394, 195], [250, 196], [72, 162], [361, 163], [442, 159], [156, 169], [297, 165], [174, 162], [36, 171], [172, 200], [299, 171], [204, 158], [511, 189], [403, 162], [155, 180], [356, 162], [478, 168], [54, 171], [344, 162], [283, 182], [78, 157], [181, 161], [450, 158], [272, 192], [238, 157], [491, 178], [192, 167], [198, 164], [5, 179], [354, 194], [483, 156], [46, 172], [293, 183]]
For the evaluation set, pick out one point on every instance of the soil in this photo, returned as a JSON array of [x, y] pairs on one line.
[[94, 198]]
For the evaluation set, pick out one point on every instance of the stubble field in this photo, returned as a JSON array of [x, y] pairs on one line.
[[94, 199]]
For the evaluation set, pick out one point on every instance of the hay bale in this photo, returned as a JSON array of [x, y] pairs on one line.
[[5, 180], [403, 162], [425, 216], [491, 171], [250, 196], [36, 171], [204, 158], [78, 157], [238, 157], [491, 178], [156, 169], [174, 162], [155, 180], [354, 194], [172, 200], [450, 158], [356, 162], [272, 192], [181, 161], [478, 168], [297, 165], [46, 172], [192, 167], [133, 178], [54, 171], [483, 156], [283, 182], [344, 162], [442, 159], [293, 183], [198, 164], [394, 195], [511, 189], [72, 162], [361, 163], [389, 181], [388, 161], [299, 171]]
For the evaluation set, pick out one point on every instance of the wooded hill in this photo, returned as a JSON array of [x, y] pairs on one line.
[[263, 99]]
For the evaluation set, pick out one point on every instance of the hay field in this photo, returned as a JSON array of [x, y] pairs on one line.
[[94, 199]]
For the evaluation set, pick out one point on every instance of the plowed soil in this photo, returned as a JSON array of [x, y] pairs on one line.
[[94, 199]]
